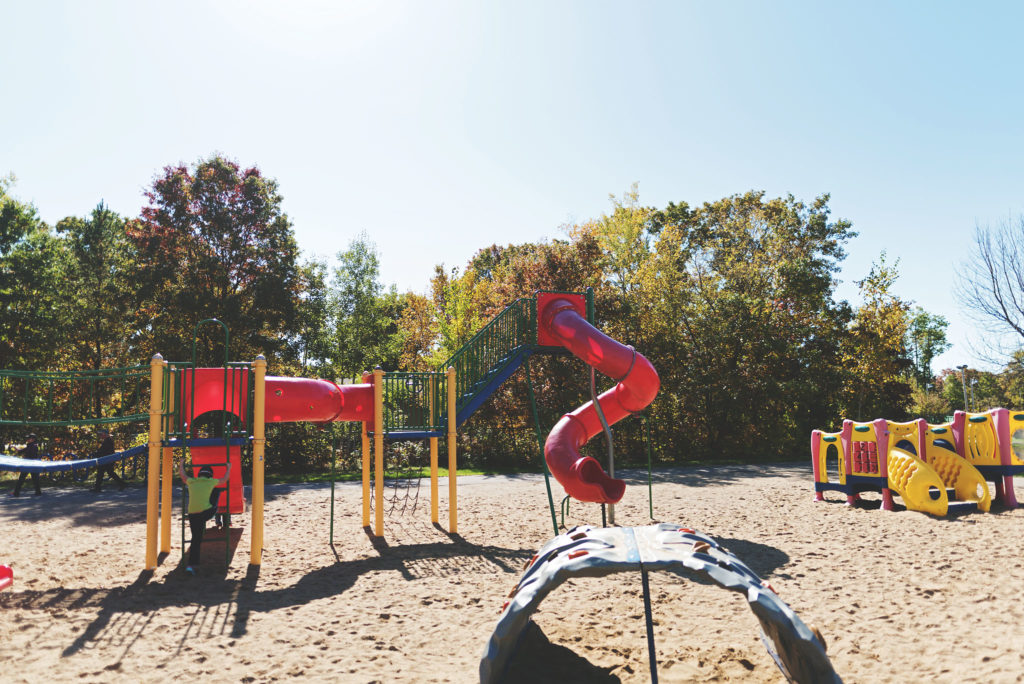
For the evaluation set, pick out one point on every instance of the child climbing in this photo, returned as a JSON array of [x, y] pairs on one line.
[[202, 505]]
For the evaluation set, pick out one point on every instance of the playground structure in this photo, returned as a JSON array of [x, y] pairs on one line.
[[215, 412], [6, 577], [406, 406], [585, 551], [925, 464]]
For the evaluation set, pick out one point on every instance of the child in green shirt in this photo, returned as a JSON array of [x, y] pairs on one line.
[[202, 505]]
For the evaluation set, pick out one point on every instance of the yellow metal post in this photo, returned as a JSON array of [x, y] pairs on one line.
[[433, 451], [156, 376], [366, 476], [166, 480], [378, 451], [453, 512], [258, 447], [367, 378], [434, 517]]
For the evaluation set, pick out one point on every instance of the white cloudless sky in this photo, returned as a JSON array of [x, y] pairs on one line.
[[438, 128]]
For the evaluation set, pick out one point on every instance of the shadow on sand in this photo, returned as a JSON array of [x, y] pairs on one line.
[[222, 605], [539, 661]]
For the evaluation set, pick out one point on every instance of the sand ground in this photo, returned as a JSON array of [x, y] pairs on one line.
[[899, 596]]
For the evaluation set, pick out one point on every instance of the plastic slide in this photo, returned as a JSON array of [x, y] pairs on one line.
[[965, 480], [637, 384], [6, 577], [915, 481]]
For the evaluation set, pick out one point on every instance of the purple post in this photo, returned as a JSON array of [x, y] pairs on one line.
[[1001, 423], [815, 463], [882, 444], [957, 428], [847, 438]]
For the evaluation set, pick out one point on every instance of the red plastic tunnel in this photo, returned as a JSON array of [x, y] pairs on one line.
[[288, 399]]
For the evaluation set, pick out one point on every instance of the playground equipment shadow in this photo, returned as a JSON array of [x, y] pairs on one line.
[[79, 506], [561, 664], [418, 604], [82, 507], [690, 475], [231, 601]]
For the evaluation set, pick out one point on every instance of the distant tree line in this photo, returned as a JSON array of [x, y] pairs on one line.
[[733, 301]]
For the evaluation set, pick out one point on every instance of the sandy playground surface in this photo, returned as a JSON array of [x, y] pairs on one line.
[[899, 596]]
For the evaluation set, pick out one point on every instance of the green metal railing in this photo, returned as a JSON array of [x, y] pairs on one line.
[[415, 401], [63, 398], [492, 348], [238, 388]]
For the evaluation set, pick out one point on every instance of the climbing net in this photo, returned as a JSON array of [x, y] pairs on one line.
[[404, 465]]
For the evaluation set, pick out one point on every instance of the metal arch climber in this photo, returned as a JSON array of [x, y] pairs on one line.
[[595, 552]]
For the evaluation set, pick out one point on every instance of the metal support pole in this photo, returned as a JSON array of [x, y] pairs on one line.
[[334, 458], [367, 378], [378, 451], [434, 503], [650, 487], [453, 509], [963, 383], [156, 376], [166, 480], [540, 443], [608, 436], [258, 446]]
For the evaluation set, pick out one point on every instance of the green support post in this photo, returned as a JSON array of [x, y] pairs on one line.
[[540, 443], [650, 488], [334, 458]]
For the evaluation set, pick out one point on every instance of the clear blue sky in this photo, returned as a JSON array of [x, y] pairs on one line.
[[441, 127]]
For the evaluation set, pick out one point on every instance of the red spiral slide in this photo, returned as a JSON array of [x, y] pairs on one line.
[[561, 320]]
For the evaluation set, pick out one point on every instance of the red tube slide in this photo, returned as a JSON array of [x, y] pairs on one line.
[[317, 401], [582, 476], [289, 400]]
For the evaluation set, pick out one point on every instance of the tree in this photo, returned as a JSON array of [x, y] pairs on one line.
[[991, 282], [877, 354], [742, 325], [930, 404], [313, 343], [1011, 380], [214, 243], [625, 237], [97, 283], [420, 344], [364, 315], [926, 339], [30, 257]]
